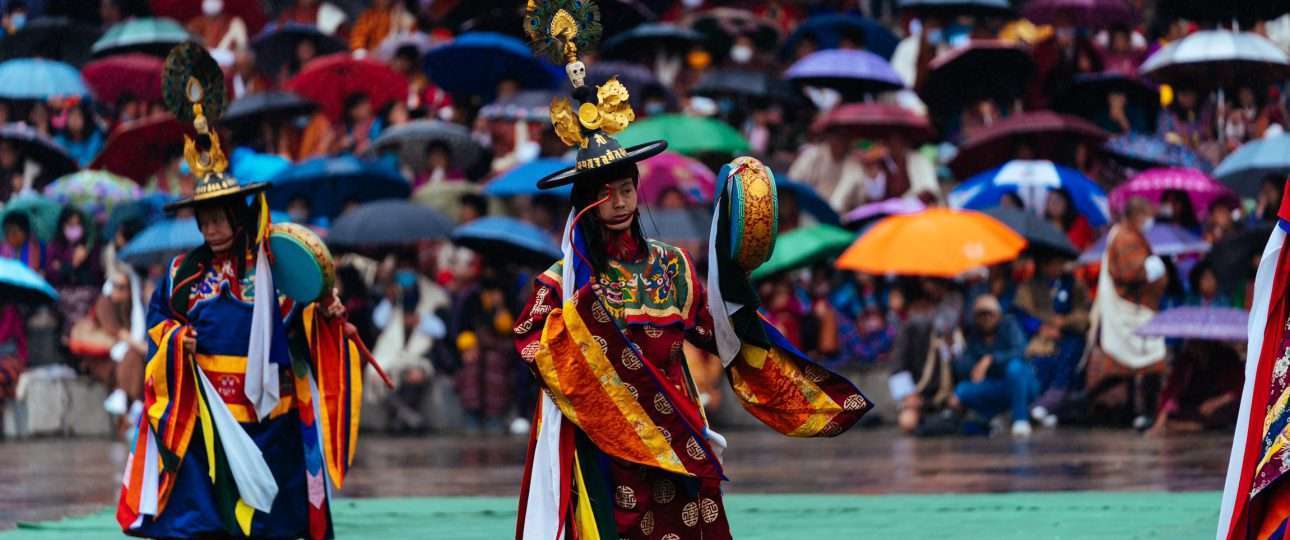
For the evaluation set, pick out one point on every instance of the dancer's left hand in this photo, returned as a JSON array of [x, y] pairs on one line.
[[332, 306]]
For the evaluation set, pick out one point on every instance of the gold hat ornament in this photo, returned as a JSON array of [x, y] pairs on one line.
[[192, 86], [559, 30]]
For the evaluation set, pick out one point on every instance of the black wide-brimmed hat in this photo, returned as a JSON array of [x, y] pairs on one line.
[[558, 29]]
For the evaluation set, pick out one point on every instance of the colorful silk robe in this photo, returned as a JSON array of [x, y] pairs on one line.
[[195, 467], [637, 459]]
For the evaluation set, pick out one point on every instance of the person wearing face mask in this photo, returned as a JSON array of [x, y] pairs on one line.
[[743, 51], [219, 30], [15, 17], [73, 266]]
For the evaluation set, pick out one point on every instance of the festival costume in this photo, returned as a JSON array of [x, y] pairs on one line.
[[621, 447], [247, 437]]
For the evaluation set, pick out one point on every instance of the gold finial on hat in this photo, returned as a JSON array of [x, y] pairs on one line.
[[193, 88]]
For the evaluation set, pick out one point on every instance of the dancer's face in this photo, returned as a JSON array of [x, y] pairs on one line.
[[617, 212], [215, 227]]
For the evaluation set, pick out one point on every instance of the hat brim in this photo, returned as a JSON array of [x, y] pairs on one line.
[[240, 191], [572, 174]]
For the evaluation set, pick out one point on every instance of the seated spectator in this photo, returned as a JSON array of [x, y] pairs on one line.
[[996, 377], [403, 350], [922, 378], [80, 136], [1060, 211], [360, 123], [221, 32], [112, 345], [1203, 390], [73, 265], [20, 244], [828, 164], [1205, 289], [384, 18], [13, 171], [1053, 309], [13, 347], [1176, 209], [438, 166], [1222, 219]]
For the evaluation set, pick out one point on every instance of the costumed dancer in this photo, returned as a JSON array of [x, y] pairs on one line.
[[252, 390], [1256, 500], [621, 447]]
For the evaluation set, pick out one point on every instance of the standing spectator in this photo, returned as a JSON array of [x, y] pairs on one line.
[[482, 322], [1130, 288], [1053, 308], [383, 19], [221, 32], [995, 374], [80, 137], [19, 243], [1069, 52]]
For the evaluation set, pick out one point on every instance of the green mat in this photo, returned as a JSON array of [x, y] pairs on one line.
[[1014, 515]]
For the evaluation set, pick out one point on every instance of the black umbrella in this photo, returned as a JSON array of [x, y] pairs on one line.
[[390, 222], [646, 40], [757, 85], [981, 70], [275, 47], [1235, 258], [410, 141], [56, 38], [1245, 11], [53, 160], [248, 111], [951, 8], [1087, 95], [1041, 236]]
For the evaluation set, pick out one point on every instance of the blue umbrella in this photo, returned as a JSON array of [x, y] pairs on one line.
[[1031, 181], [20, 284], [827, 32], [853, 73], [1245, 169], [147, 209], [161, 241], [808, 200], [522, 179], [491, 58], [329, 183], [251, 166], [507, 239], [1148, 152], [40, 79]]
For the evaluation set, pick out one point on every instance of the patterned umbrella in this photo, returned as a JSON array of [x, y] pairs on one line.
[[1031, 181], [275, 47], [492, 58], [95, 192], [1094, 14], [669, 170], [521, 180], [331, 183], [954, 78], [388, 223], [1146, 151], [21, 284], [1049, 135], [328, 80], [1165, 239], [1245, 169], [55, 38], [508, 239], [687, 135], [136, 73], [1221, 58], [41, 80], [853, 73], [1152, 185], [1192, 322], [827, 31], [53, 160], [149, 35]]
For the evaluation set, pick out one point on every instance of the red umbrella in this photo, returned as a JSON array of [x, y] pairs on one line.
[[876, 120], [1046, 133], [328, 80], [138, 149], [184, 10], [135, 73]]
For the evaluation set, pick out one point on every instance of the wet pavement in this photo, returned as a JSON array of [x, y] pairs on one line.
[[51, 478]]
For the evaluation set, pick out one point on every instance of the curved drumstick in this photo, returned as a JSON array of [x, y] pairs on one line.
[[352, 332]]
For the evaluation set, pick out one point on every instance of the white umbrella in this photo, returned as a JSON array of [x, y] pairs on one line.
[[1221, 57]]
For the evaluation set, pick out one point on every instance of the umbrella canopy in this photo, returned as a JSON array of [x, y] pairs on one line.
[[953, 8], [41, 212], [1246, 12], [55, 38], [1218, 57], [388, 223], [328, 80], [390, 46], [827, 31], [149, 35], [1146, 151], [95, 192], [954, 78], [410, 142], [1193, 322], [252, 109], [1245, 169], [492, 58], [1040, 234], [1048, 135], [1031, 181], [1152, 185], [135, 74], [275, 47], [744, 83], [521, 180], [876, 121], [806, 199], [853, 73], [1086, 96], [1166, 240], [672, 171], [140, 148], [689, 135], [161, 241], [40, 80], [504, 238], [249, 166], [865, 214], [938, 242], [144, 210], [329, 183], [1094, 14], [645, 40], [719, 27], [804, 246], [22, 285], [31, 144], [528, 105]]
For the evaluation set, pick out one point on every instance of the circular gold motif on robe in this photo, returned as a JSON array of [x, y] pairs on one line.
[[830, 429], [667, 435], [631, 389], [625, 497], [529, 352], [671, 536], [694, 450], [653, 332], [690, 514], [630, 361], [815, 374], [604, 345], [647, 523], [710, 510], [661, 404], [598, 312], [853, 402], [664, 491]]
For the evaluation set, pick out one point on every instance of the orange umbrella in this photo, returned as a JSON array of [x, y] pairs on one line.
[[937, 242]]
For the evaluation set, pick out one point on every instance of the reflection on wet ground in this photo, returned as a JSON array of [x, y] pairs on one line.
[[51, 478]]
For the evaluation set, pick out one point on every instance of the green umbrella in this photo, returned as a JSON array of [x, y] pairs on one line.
[[805, 246], [686, 134], [42, 212]]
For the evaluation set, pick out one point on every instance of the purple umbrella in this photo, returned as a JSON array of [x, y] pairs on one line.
[[1082, 13], [1165, 239], [1152, 185], [851, 72], [1212, 323], [889, 207]]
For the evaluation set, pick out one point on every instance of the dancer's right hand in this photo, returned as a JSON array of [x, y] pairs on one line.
[[190, 342]]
